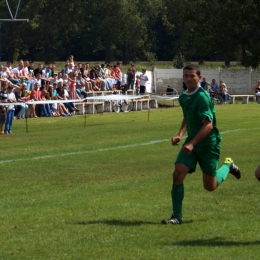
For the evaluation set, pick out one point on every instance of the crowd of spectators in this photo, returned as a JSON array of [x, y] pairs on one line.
[[73, 81], [215, 88]]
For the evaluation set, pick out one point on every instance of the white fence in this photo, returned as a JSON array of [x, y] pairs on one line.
[[237, 81]]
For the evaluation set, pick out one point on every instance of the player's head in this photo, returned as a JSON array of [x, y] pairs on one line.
[[191, 77], [193, 67]]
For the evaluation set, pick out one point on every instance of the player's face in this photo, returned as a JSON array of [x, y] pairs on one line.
[[191, 79]]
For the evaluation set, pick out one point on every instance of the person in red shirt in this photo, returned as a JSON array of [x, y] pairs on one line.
[[34, 96], [118, 75], [72, 86]]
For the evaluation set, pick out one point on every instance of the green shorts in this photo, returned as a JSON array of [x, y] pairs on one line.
[[207, 158]]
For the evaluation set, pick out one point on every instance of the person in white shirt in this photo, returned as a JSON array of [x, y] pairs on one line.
[[59, 78], [10, 110], [37, 80], [143, 81]]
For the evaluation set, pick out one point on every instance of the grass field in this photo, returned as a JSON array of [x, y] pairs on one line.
[[100, 191]]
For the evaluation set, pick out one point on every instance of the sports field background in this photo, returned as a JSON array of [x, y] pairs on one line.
[[100, 191]]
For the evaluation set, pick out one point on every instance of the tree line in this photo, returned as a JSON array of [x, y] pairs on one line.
[[133, 30]]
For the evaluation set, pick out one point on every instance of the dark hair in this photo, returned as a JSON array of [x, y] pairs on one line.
[[193, 67]]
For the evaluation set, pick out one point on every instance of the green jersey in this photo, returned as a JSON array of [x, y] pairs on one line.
[[196, 107]]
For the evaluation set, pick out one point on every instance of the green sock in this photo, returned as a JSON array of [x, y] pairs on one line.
[[177, 197], [222, 173]]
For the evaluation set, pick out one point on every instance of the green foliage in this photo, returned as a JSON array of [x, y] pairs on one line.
[[134, 30], [179, 61]]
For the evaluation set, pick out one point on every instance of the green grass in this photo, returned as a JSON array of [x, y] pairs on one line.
[[100, 191]]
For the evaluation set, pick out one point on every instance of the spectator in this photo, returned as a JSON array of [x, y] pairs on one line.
[[214, 86], [117, 75], [96, 83], [4, 72], [65, 79], [3, 92], [223, 91], [70, 61], [54, 79], [2, 118], [31, 68], [38, 70], [257, 89], [130, 77], [34, 96], [11, 76], [21, 97], [110, 80], [183, 86], [76, 70], [85, 70], [10, 110], [46, 76], [64, 95], [59, 78], [45, 108], [72, 86], [38, 79], [65, 70], [203, 83], [103, 71], [208, 87], [9, 65], [143, 81], [100, 72], [81, 86], [137, 85]]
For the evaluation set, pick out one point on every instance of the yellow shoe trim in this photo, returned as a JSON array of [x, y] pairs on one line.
[[228, 161]]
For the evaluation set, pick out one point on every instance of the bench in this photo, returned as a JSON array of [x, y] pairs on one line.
[[101, 93], [130, 92], [90, 107], [245, 98], [141, 104]]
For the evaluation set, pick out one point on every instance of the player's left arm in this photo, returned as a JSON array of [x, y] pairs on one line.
[[202, 134]]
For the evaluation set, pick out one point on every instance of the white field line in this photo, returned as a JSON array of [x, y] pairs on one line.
[[110, 148]]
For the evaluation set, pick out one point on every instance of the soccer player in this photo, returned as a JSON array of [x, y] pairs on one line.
[[202, 144], [257, 172]]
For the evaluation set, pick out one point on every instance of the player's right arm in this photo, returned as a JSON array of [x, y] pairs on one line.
[[176, 139]]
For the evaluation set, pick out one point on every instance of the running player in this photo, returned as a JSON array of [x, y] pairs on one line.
[[257, 172], [202, 144]]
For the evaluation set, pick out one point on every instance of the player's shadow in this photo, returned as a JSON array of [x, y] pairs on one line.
[[216, 241], [117, 222]]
